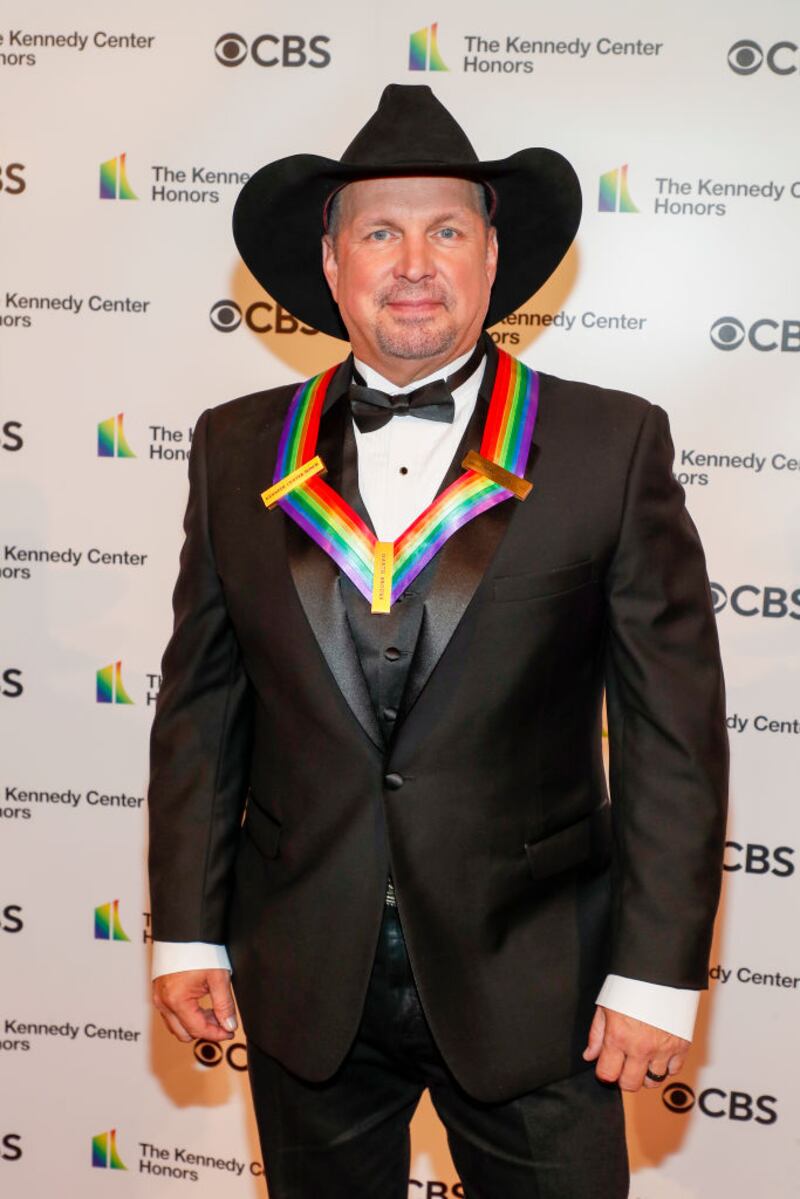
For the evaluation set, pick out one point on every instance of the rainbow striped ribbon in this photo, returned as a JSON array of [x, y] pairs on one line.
[[340, 532]]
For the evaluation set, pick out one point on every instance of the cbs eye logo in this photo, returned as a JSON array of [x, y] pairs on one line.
[[727, 333], [719, 596], [678, 1097], [230, 49], [226, 315], [212, 1053], [746, 57]]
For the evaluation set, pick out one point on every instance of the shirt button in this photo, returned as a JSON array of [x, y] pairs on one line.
[[392, 653], [390, 714], [403, 470], [394, 781]]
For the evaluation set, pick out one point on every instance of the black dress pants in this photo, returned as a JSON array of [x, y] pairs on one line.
[[348, 1138]]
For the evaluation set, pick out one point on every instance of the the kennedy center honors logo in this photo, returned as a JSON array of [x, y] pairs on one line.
[[423, 50], [105, 1155], [114, 183], [614, 194]]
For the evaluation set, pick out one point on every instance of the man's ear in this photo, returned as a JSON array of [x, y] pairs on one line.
[[330, 267], [492, 251]]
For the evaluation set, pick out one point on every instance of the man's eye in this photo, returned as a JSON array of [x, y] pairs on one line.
[[448, 233], [379, 235]]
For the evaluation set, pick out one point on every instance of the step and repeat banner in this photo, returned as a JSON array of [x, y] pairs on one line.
[[124, 312]]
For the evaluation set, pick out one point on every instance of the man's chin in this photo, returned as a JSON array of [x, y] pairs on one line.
[[420, 336]]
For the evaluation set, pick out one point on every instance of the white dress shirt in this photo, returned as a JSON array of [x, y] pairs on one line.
[[400, 468]]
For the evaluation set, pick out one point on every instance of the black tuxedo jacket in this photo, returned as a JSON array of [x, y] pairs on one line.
[[277, 807]]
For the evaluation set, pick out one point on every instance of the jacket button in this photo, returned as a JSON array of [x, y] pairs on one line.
[[390, 714], [392, 653], [394, 781]]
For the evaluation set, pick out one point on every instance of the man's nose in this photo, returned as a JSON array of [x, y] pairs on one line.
[[415, 260]]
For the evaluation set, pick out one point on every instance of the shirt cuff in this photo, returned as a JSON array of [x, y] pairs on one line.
[[171, 956], [672, 1009]]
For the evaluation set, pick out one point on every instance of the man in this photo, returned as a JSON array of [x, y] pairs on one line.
[[377, 772]]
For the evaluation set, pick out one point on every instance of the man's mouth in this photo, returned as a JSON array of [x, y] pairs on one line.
[[419, 306]]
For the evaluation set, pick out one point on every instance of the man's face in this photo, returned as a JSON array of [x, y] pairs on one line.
[[411, 267]]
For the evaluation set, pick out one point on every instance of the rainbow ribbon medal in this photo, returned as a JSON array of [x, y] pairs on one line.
[[382, 570]]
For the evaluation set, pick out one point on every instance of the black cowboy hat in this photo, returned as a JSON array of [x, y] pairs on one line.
[[279, 215]]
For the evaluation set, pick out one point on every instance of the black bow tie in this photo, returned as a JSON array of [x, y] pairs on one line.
[[373, 409]]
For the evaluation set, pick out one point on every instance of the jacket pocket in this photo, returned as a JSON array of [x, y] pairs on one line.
[[587, 840], [263, 830], [550, 582]]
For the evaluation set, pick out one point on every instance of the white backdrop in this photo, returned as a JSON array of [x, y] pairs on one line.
[[139, 306]]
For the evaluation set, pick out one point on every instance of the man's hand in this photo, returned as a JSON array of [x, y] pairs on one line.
[[624, 1048], [177, 997]]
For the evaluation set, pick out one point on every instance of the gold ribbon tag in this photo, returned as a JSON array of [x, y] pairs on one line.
[[299, 476], [520, 487], [382, 576]]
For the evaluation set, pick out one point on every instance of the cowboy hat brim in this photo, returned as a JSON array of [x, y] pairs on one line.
[[278, 223]]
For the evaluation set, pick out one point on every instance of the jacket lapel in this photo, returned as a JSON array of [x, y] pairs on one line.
[[465, 557], [316, 576]]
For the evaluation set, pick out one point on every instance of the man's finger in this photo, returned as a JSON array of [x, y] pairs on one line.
[[596, 1033], [632, 1074], [675, 1064], [609, 1064], [200, 1022], [174, 1025], [656, 1066], [219, 988]]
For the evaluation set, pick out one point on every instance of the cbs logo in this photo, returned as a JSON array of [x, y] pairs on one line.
[[11, 683], [11, 918], [10, 1147], [10, 437], [270, 50], [758, 859], [211, 1053], [718, 1104], [728, 333], [746, 57], [744, 600], [11, 180], [261, 317]]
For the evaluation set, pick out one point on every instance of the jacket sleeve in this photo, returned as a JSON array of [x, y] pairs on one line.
[[667, 732], [200, 739]]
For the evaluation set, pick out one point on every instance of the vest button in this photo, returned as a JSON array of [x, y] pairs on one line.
[[392, 653], [390, 714], [394, 781]]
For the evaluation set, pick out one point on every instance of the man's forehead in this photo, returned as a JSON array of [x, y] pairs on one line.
[[407, 191]]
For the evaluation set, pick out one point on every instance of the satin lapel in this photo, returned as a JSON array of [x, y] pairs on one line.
[[464, 558], [316, 577]]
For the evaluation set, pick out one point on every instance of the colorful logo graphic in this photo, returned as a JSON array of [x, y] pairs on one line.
[[107, 924], [104, 1152], [111, 439], [423, 50], [114, 183], [614, 194], [110, 689]]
